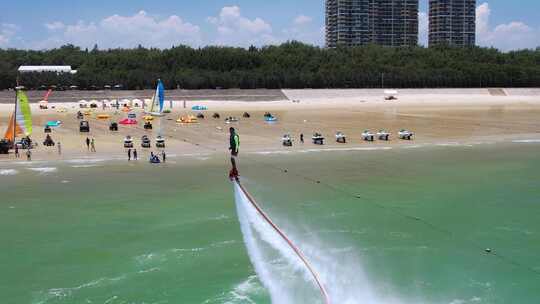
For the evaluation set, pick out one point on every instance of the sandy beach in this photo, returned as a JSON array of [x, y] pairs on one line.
[[438, 117]]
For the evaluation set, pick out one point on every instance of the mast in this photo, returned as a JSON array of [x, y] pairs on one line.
[[15, 112]]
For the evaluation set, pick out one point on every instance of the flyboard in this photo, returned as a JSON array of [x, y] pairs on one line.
[[280, 232]]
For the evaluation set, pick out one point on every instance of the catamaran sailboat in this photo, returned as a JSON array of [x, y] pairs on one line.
[[155, 107], [20, 123]]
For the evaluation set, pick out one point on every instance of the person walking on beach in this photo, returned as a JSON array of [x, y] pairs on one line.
[[93, 145], [28, 155], [88, 144], [59, 145], [302, 137], [163, 156], [234, 145], [16, 151], [135, 156], [129, 154]]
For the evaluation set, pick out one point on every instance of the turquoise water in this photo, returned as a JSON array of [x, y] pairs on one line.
[[396, 226]]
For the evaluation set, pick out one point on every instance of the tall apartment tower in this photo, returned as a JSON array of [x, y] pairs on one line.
[[361, 22], [452, 22]]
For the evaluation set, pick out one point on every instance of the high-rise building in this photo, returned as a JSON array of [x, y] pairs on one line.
[[382, 22], [452, 22]]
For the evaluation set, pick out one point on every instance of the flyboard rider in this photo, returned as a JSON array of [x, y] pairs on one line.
[[234, 144]]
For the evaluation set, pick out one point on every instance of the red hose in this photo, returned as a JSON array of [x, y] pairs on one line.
[[289, 242]]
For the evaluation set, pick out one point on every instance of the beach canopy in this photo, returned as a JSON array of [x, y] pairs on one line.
[[199, 108], [47, 69], [390, 92], [128, 121], [54, 123]]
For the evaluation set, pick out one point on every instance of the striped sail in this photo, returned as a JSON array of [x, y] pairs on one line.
[[20, 123]]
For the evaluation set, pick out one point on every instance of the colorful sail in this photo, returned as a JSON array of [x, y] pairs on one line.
[[20, 123], [160, 95], [149, 108], [158, 100]]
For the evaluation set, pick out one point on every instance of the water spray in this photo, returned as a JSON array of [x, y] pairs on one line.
[[280, 232]]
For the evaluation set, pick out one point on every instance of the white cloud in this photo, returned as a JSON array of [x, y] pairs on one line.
[[302, 19], [303, 29], [125, 31], [508, 36], [234, 29], [7, 33], [55, 26]]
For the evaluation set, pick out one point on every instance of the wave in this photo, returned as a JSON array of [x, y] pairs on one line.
[[63, 293], [44, 170], [86, 160], [7, 172], [85, 166], [526, 141], [243, 292], [323, 150]]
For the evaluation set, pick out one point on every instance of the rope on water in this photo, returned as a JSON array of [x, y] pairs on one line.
[[426, 223]]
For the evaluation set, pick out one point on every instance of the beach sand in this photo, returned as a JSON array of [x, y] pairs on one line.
[[438, 117]]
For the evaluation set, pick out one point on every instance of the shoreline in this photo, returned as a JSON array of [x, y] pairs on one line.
[[433, 118], [99, 158]]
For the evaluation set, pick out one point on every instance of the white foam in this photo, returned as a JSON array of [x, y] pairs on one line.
[[6, 172], [240, 294], [323, 150], [44, 170], [86, 160], [526, 141], [85, 166]]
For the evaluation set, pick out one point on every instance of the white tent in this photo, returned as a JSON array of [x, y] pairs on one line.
[[46, 68]]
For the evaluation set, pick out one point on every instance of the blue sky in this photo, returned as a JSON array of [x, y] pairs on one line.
[[504, 24]]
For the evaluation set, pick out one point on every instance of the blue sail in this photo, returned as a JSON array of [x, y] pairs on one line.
[[161, 95]]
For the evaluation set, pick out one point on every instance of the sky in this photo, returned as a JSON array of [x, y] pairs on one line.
[[45, 24]]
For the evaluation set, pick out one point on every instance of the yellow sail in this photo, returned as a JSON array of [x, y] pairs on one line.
[[20, 123]]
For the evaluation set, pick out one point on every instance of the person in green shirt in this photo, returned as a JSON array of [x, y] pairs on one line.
[[234, 145]]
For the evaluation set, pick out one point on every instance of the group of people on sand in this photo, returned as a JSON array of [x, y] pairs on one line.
[[154, 158], [134, 153], [91, 144], [28, 153]]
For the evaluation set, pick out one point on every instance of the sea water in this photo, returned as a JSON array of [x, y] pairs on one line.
[[387, 226]]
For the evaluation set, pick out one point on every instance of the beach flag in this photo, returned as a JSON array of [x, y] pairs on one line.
[[20, 123]]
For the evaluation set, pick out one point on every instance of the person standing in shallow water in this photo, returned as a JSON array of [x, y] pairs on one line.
[[16, 151], [59, 145], [135, 156], [163, 156], [28, 155], [88, 144], [93, 145], [302, 137], [129, 154]]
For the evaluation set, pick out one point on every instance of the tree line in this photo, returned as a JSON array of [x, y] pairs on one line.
[[289, 65]]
